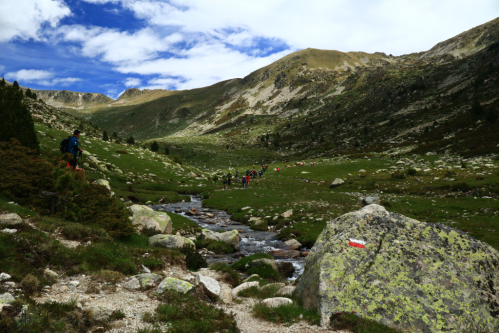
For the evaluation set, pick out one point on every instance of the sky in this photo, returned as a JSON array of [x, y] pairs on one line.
[[108, 46]]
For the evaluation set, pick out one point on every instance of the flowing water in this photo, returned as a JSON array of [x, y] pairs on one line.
[[251, 241]]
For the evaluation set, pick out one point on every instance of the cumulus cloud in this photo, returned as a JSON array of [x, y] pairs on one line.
[[41, 77], [132, 82], [24, 19]]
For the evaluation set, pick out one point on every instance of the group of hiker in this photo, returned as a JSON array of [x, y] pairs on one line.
[[245, 179]]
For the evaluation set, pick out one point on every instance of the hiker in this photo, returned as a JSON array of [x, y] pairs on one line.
[[247, 172], [229, 178], [74, 149], [237, 175], [244, 182], [225, 182], [248, 177], [278, 169], [260, 174], [254, 174]]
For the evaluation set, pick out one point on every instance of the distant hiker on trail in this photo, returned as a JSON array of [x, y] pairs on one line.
[[278, 169], [229, 178], [244, 182], [254, 174], [74, 149], [248, 177], [247, 172], [237, 175], [225, 182], [260, 174]]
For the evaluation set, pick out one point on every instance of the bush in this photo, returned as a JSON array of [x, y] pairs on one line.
[[30, 284], [155, 146], [106, 275], [187, 313], [461, 187], [398, 174], [240, 265], [229, 274], [193, 260], [351, 322], [106, 256], [218, 247], [286, 314], [266, 272], [412, 172]]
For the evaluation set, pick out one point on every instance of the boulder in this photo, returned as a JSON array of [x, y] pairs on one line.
[[229, 237], [293, 244], [244, 286], [175, 285], [413, 275], [285, 268], [264, 261], [103, 182], [132, 284], [274, 285], [251, 277], [142, 281], [7, 298], [4, 277], [50, 273], [286, 291], [10, 219], [170, 241], [145, 217], [210, 285], [287, 213], [337, 182], [369, 201], [275, 302]]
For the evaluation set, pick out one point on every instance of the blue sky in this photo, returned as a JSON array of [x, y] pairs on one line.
[[108, 46]]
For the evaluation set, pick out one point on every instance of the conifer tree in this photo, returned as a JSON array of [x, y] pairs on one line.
[[16, 121], [154, 146], [105, 137], [3, 83], [130, 140], [16, 85]]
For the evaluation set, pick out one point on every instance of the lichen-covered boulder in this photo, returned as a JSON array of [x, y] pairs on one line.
[[175, 285], [142, 281], [229, 237], [146, 217], [170, 241], [6, 298], [423, 277]]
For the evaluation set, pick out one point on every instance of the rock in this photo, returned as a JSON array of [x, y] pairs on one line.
[[337, 182], [285, 268], [264, 261], [272, 285], [99, 312], [50, 273], [210, 285], [10, 219], [251, 277], [6, 298], [226, 296], [10, 285], [245, 208], [229, 237], [192, 175], [74, 284], [132, 284], [287, 213], [275, 302], [4, 277], [286, 291], [175, 285], [284, 254], [63, 289], [103, 182], [244, 286], [9, 231], [293, 244], [142, 281], [369, 200], [170, 241], [430, 271], [145, 217]]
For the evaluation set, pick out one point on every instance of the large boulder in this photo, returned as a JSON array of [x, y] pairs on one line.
[[276, 302], [174, 285], [210, 285], [10, 219], [337, 182], [229, 237], [244, 286], [423, 277], [142, 281], [170, 241], [145, 217]]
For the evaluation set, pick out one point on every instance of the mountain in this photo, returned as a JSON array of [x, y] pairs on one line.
[[71, 99], [328, 102]]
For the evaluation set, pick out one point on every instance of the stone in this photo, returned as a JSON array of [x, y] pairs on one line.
[[63, 289], [210, 285], [74, 284], [142, 281], [9, 231], [275, 302], [4, 277], [192, 175], [369, 201], [10, 219], [6, 298], [244, 286], [226, 296], [10, 285], [50, 273], [132, 284], [293, 244], [170, 241], [103, 182], [287, 213], [337, 182], [286, 269], [229, 237], [286, 291], [264, 261], [273, 285], [284, 254], [174, 285], [410, 273], [99, 312], [256, 276], [146, 217]]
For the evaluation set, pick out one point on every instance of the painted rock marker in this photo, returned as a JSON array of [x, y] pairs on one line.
[[357, 243]]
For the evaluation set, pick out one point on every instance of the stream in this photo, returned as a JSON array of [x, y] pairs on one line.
[[251, 241]]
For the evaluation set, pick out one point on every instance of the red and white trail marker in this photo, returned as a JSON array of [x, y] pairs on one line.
[[357, 243]]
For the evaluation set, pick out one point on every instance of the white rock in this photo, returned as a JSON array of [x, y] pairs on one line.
[[286, 291], [10, 219], [50, 273], [287, 213], [4, 277], [74, 284], [276, 302], [9, 231], [209, 284], [244, 286], [6, 298], [293, 244]]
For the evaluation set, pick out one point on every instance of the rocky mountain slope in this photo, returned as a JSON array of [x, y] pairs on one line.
[[321, 102]]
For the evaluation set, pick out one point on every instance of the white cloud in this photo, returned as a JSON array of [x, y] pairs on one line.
[[132, 82], [24, 19], [2, 68], [41, 77]]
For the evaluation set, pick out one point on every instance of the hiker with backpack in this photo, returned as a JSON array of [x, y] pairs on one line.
[[244, 182], [225, 182], [72, 146], [229, 178]]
